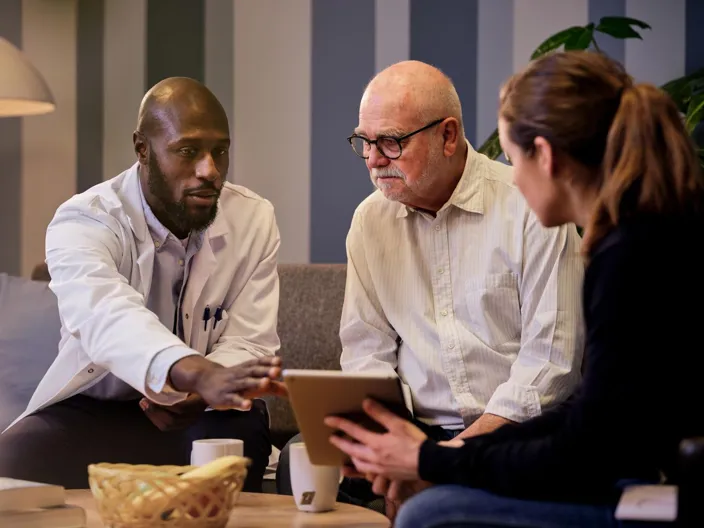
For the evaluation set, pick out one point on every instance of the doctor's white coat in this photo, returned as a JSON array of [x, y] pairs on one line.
[[100, 256]]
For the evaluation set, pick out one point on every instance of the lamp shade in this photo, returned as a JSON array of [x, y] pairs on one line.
[[23, 90]]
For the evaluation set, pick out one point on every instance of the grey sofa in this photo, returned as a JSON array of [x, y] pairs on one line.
[[309, 317]]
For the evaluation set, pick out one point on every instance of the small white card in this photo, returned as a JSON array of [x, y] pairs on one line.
[[648, 503]]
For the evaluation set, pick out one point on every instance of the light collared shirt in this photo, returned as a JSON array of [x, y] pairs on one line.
[[477, 309], [172, 262]]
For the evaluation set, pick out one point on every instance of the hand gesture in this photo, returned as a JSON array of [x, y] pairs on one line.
[[228, 387]]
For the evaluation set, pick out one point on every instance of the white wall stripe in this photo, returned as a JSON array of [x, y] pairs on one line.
[[660, 56], [273, 113], [392, 32], [48, 141], [535, 20], [494, 61], [124, 70]]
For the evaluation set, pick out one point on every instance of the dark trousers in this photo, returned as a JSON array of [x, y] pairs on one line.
[[55, 445], [352, 491]]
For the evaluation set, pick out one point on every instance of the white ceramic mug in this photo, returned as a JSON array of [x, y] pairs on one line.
[[314, 487], [205, 451]]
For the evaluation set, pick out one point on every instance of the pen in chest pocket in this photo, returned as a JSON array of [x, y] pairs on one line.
[[206, 317]]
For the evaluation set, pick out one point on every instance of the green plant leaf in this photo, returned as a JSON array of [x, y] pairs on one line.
[[491, 148], [610, 21], [621, 27], [555, 41], [683, 88], [580, 40], [621, 32], [695, 112]]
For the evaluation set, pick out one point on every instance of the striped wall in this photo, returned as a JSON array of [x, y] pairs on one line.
[[289, 74]]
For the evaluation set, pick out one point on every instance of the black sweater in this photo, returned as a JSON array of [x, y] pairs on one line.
[[643, 385]]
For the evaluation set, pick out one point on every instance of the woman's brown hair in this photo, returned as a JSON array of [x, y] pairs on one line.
[[631, 136]]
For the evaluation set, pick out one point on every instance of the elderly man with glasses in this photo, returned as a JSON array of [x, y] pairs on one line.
[[452, 283]]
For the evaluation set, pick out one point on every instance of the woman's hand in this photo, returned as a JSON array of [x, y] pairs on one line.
[[393, 455]]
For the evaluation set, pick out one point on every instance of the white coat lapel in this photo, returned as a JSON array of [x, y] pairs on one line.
[[203, 266], [134, 209]]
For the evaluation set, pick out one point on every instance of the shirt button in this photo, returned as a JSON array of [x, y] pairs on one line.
[[443, 313], [441, 271], [451, 345], [186, 316], [90, 371], [180, 262], [157, 244], [437, 228]]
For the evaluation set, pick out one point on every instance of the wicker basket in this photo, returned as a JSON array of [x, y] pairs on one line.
[[137, 496]]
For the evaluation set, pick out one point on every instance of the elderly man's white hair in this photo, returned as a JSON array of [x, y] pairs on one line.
[[419, 86]]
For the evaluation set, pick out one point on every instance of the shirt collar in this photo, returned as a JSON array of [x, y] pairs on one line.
[[468, 194]]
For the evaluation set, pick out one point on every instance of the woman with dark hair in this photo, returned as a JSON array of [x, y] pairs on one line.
[[591, 147]]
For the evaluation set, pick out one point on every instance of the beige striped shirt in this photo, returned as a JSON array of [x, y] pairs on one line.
[[477, 309]]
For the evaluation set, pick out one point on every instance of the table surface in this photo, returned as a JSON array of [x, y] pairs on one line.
[[261, 509]]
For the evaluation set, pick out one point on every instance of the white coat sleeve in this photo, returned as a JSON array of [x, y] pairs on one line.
[[98, 306]]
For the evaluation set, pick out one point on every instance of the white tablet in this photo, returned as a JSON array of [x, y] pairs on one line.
[[315, 394]]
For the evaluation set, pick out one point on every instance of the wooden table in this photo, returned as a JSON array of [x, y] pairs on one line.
[[262, 510]]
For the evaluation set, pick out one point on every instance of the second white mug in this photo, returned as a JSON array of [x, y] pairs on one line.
[[314, 487], [205, 451]]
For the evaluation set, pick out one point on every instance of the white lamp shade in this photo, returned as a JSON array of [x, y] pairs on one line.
[[23, 90]]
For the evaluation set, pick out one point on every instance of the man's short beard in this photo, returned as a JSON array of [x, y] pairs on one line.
[[177, 211]]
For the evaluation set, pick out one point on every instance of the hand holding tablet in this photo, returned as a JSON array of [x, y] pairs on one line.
[[316, 394]]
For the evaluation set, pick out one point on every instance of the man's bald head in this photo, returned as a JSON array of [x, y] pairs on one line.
[[415, 89], [182, 143], [175, 100], [411, 136]]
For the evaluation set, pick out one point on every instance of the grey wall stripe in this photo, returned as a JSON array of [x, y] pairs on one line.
[[494, 61], [342, 64], [694, 35], [89, 97], [220, 57], [444, 34], [11, 158], [175, 40], [614, 48]]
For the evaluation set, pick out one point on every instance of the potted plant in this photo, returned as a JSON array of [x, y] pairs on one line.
[[687, 91]]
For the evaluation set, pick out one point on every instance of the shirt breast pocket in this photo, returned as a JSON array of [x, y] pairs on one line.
[[494, 308]]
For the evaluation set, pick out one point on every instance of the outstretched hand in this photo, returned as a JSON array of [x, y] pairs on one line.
[[392, 455], [228, 387]]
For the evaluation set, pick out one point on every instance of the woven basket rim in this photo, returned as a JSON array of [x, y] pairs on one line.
[[165, 471]]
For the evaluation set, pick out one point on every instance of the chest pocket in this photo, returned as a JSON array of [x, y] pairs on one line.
[[217, 330], [494, 309], [208, 335]]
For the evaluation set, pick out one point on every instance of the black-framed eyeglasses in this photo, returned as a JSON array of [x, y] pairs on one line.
[[388, 146]]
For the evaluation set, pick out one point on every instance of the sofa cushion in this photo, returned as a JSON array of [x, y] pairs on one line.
[[30, 331], [310, 307]]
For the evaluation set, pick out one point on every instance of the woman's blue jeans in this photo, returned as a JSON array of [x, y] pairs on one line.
[[449, 506]]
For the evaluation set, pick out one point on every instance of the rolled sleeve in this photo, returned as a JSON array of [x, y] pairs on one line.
[[515, 402]]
